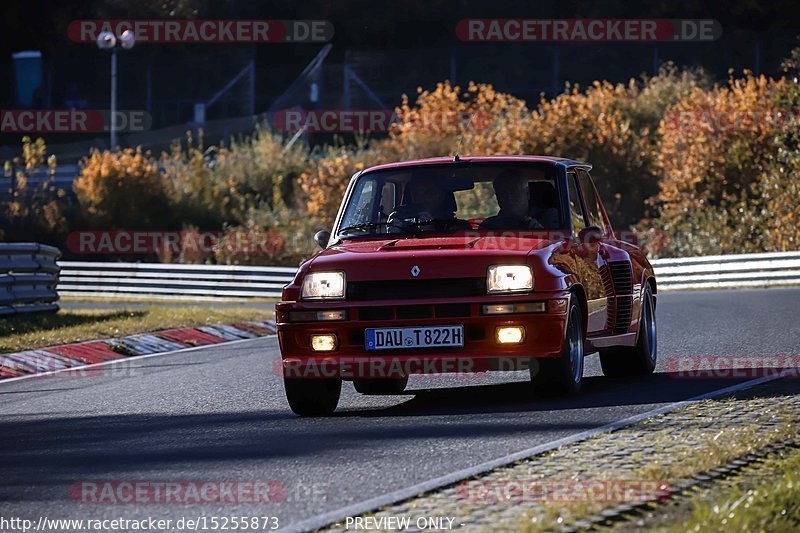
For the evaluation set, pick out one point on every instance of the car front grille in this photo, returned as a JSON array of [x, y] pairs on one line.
[[401, 312], [415, 289]]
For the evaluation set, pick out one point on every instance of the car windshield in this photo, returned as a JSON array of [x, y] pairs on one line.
[[449, 198]]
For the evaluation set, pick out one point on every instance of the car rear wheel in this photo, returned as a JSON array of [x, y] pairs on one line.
[[641, 359], [381, 386], [563, 375], [311, 396]]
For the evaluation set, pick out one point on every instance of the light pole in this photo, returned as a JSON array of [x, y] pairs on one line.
[[108, 41]]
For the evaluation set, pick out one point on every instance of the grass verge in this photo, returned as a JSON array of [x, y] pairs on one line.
[[764, 496], [688, 458], [26, 333], [767, 503]]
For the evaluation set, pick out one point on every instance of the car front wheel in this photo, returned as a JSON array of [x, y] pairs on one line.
[[311, 396], [563, 375], [639, 360]]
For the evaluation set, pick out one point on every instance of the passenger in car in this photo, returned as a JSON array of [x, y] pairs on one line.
[[544, 204], [512, 194]]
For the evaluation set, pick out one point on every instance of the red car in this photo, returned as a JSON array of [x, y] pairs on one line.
[[465, 265]]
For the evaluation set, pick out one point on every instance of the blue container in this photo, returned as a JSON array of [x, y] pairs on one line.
[[28, 76]]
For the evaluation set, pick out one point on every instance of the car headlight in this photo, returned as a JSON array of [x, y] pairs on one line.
[[509, 278], [323, 285]]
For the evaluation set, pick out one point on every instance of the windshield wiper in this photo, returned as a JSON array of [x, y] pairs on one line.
[[367, 226]]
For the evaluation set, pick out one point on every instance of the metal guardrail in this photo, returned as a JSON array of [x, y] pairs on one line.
[[211, 282], [172, 281], [728, 271], [28, 278]]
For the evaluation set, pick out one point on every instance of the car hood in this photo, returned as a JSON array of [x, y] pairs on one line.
[[455, 256]]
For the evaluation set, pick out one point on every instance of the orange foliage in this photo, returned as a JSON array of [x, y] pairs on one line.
[[475, 121], [325, 182], [728, 165], [122, 190], [712, 148]]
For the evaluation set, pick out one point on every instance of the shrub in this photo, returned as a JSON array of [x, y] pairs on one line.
[[32, 212], [122, 190], [728, 168], [615, 128], [246, 190], [324, 182], [280, 236], [475, 121], [216, 186]]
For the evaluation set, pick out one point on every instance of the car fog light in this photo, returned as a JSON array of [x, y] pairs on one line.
[[510, 334], [323, 343]]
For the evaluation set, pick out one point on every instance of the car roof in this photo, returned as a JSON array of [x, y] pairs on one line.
[[480, 159]]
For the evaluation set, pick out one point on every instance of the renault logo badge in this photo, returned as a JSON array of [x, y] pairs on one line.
[[415, 271]]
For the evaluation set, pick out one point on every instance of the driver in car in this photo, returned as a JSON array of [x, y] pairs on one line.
[[427, 200], [511, 192]]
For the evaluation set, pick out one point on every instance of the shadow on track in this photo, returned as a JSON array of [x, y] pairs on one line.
[[64, 446], [519, 396]]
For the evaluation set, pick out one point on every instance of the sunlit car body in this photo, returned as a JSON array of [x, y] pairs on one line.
[[409, 285]]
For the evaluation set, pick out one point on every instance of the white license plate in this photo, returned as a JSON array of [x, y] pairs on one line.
[[414, 337]]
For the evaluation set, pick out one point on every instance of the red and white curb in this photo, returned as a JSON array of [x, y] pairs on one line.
[[54, 358]]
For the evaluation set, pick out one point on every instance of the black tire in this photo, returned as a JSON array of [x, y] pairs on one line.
[[381, 386], [312, 396], [564, 375], [641, 359]]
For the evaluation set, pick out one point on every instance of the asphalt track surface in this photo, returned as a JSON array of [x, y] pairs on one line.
[[219, 413]]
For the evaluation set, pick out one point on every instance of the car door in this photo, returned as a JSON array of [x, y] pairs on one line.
[[590, 256], [617, 274]]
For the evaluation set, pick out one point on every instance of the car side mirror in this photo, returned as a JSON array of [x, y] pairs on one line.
[[322, 237], [590, 235]]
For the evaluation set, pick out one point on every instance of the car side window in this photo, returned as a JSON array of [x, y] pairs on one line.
[[592, 203], [575, 206], [360, 209]]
